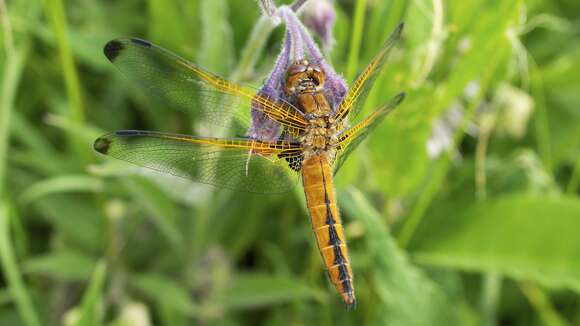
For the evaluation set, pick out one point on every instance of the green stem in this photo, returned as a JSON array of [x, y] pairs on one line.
[[491, 289], [487, 124], [356, 38], [575, 178], [13, 67], [253, 47], [541, 123], [199, 230], [491, 281], [541, 303], [10, 80], [56, 13]]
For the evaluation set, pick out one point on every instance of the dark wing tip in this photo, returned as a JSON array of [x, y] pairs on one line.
[[115, 47], [397, 31], [112, 49], [400, 26], [102, 144], [400, 97]]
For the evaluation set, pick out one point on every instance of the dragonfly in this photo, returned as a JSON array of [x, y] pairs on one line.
[[314, 141]]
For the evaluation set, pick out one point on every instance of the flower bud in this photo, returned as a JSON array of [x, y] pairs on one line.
[[320, 16]]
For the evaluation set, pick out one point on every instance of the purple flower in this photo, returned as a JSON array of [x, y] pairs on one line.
[[298, 45], [319, 16]]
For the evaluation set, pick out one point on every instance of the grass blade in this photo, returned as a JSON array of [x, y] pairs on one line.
[[56, 13], [61, 184], [356, 38], [12, 273], [89, 313]]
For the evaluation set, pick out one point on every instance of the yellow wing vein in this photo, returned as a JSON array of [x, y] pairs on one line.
[[254, 145], [355, 90], [370, 72], [273, 110], [350, 134]]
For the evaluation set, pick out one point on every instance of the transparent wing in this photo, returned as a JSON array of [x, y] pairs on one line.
[[189, 87], [239, 164], [352, 104], [351, 138]]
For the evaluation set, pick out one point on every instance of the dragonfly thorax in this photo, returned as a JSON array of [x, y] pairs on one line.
[[320, 137], [304, 86]]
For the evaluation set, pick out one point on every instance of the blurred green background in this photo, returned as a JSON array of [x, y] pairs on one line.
[[461, 209]]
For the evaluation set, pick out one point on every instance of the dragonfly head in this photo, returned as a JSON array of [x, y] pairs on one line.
[[304, 77]]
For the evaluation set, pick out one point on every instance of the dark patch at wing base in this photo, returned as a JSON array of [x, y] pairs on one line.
[[294, 159]]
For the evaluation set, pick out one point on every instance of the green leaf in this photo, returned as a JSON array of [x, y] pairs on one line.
[[406, 296], [67, 183], [74, 218], [520, 236], [164, 292], [261, 290], [65, 265], [160, 209], [561, 82]]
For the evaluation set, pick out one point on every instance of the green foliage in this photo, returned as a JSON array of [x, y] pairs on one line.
[[513, 235], [163, 292], [10, 270], [405, 295], [90, 312], [461, 208], [50, 265], [255, 290]]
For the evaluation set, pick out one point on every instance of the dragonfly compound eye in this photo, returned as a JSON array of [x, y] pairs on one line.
[[317, 75], [303, 76], [295, 74]]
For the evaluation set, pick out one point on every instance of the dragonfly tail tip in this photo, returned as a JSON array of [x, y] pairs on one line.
[[350, 304]]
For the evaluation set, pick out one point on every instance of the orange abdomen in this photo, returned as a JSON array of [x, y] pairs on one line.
[[327, 225]]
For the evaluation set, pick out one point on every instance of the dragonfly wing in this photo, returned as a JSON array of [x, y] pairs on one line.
[[352, 104], [351, 138], [238, 164], [189, 87]]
